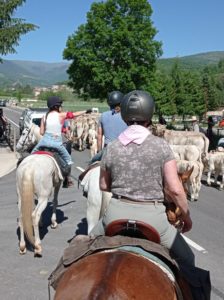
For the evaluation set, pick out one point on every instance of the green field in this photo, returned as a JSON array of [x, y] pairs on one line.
[[70, 106]]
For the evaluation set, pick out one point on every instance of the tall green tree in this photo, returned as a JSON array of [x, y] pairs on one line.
[[163, 94], [209, 90], [11, 28], [115, 49], [193, 102]]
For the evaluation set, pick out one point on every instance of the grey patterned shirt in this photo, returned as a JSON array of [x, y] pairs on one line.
[[137, 170]]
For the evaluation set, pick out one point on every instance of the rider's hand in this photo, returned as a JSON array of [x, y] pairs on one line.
[[88, 111], [187, 224]]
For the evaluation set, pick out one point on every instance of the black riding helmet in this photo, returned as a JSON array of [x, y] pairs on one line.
[[114, 98], [54, 101], [137, 106]]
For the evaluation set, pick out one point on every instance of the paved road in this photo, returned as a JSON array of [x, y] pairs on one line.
[[25, 277]]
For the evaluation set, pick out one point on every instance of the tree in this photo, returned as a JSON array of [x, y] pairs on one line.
[[11, 28], [209, 91], [163, 94], [114, 50]]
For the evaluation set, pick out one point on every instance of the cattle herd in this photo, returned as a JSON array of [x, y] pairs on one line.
[[191, 149]]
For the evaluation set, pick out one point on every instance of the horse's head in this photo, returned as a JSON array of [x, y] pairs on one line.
[[28, 138]]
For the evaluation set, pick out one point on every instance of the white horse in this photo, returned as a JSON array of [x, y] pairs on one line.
[[97, 201], [37, 176], [29, 138]]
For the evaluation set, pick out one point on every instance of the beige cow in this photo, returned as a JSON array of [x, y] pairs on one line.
[[215, 164], [186, 152], [174, 137], [194, 182]]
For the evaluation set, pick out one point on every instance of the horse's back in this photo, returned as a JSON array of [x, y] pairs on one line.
[[36, 169], [115, 275]]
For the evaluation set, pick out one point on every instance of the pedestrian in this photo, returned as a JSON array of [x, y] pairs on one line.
[[110, 124], [195, 125], [144, 166], [51, 128], [162, 120], [210, 134], [221, 123]]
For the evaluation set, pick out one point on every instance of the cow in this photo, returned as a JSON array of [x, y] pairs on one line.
[[215, 164], [186, 152], [194, 181], [174, 137]]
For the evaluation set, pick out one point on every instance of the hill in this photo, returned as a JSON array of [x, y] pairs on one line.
[[45, 74], [32, 73], [194, 62]]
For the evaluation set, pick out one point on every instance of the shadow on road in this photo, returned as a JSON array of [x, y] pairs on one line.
[[46, 222]]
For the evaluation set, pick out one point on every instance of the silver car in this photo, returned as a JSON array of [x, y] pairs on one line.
[[31, 115]]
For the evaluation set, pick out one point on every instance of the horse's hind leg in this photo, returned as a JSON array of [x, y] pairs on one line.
[[42, 203], [54, 223], [22, 243]]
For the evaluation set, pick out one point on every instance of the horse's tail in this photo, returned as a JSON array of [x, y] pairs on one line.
[[27, 195]]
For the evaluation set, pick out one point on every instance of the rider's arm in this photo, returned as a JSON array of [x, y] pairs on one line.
[[175, 190], [105, 180], [72, 115], [42, 126], [99, 138]]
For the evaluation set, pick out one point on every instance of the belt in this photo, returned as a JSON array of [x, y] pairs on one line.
[[134, 201]]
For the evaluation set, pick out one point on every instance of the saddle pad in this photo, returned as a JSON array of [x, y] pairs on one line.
[[155, 259], [51, 156]]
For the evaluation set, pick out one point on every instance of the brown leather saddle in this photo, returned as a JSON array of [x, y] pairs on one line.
[[133, 228]]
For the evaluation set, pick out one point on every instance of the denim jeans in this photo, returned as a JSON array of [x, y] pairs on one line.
[[52, 141]]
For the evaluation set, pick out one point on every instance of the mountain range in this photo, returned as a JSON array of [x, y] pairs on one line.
[[45, 74]]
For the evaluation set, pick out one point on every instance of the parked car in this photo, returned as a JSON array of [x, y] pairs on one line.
[[2, 102], [31, 115]]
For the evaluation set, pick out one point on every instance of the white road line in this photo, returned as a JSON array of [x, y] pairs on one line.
[[189, 241], [80, 169], [194, 245]]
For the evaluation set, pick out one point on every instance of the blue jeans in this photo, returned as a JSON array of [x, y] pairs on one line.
[[52, 141]]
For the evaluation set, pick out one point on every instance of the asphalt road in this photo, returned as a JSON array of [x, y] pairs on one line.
[[25, 277]]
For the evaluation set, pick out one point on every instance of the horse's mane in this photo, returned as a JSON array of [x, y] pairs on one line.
[[35, 129]]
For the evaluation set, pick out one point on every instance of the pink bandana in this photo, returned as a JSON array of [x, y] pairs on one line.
[[134, 134]]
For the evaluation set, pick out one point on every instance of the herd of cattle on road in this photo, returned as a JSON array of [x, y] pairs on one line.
[[190, 149]]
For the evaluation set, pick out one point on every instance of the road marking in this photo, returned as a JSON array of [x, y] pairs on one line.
[[194, 245], [80, 169], [189, 241]]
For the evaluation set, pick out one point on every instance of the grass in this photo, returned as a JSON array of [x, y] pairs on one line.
[[69, 106]]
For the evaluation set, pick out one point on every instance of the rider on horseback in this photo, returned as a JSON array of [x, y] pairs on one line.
[[51, 128], [110, 124], [136, 168]]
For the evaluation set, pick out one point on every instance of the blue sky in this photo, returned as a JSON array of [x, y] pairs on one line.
[[185, 27]]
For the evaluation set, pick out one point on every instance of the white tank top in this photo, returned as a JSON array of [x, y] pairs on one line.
[[53, 124]]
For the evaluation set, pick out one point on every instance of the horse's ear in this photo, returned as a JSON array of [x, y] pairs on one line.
[[186, 174]]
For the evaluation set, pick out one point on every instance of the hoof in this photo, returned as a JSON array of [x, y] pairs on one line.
[[37, 251], [22, 250], [54, 225]]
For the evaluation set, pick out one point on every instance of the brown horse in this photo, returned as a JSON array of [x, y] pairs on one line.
[[118, 274]]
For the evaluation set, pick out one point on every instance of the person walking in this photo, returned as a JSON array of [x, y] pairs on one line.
[[210, 133], [144, 166], [195, 125]]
